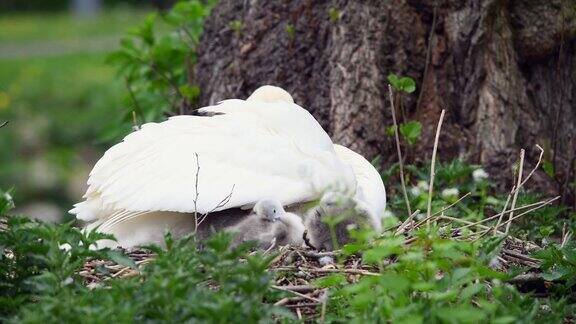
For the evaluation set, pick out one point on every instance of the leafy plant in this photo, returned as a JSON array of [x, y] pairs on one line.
[[559, 263], [411, 131], [183, 284], [33, 262], [431, 280], [405, 84], [155, 67], [39, 279]]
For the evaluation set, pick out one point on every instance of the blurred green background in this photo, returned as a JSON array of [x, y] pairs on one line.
[[62, 100]]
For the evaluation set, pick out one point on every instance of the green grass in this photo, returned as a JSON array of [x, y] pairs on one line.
[[64, 109], [23, 28]]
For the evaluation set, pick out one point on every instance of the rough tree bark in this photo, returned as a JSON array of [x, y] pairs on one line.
[[505, 71]]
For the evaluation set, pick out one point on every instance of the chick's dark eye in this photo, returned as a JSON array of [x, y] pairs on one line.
[[274, 210]]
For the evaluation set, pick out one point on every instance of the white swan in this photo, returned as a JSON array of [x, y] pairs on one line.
[[242, 151]]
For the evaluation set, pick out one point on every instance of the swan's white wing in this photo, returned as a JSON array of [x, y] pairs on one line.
[[370, 191], [251, 150]]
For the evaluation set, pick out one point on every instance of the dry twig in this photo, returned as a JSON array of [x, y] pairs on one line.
[[296, 293], [432, 166], [428, 218], [520, 170]]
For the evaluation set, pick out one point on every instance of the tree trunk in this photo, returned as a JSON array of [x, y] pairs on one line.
[[505, 71]]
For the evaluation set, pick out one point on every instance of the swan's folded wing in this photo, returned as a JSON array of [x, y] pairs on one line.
[[370, 189], [239, 157]]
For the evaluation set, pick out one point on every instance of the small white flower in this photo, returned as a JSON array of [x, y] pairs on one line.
[[479, 175], [450, 192], [68, 281], [420, 216], [415, 191], [423, 185]]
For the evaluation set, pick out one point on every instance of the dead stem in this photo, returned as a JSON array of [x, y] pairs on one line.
[[427, 219], [432, 167], [296, 293], [520, 170]]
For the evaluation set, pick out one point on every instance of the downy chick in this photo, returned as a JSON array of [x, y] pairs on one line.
[[338, 211], [268, 224]]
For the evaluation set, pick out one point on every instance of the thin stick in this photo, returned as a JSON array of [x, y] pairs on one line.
[[503, 211], [323, 311], [296, 293], [221, 204], [135, 125], [432, 166], [566, 238], [535, 167], [487, 228], [351, 271], [425, 220], [300, 288], [539, 204], [398, 150], [405, 224], [520, 256], [4, 124], [519, 183], [531, 210]]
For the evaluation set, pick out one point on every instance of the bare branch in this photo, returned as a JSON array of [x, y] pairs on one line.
[[428, 218], [519, 184], [503, 212], [406, 223], [432, 166], [537, 204], [220, 204], [296, 293]]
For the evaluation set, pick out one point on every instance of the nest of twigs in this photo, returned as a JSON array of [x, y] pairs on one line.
[[298, 267]]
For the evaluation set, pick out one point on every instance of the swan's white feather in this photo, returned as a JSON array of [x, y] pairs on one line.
[[255, 147], [370, 192]]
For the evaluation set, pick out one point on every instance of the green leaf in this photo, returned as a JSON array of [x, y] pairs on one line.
[[332, 280], [190, 92], [390, 131], [505, 320], [394, 82], [407, 84], [471, 290], [460, 314], [411, 131], [394, 282], [385, 249], [555, 274], [121, 258]]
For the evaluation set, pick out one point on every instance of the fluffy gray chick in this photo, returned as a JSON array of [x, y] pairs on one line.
[[337, 209], [269, 222]]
